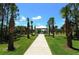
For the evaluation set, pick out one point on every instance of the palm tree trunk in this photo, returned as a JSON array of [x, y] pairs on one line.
[[77, 29], [1, 40], [7, 25], [10, 43], [53, 30], [68, 30], [32, 30], [2, 29], [28, 30], [49, 30], [68, 33], [76, 22], [11, 32]]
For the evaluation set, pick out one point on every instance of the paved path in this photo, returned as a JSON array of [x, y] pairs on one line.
[[39, 47]]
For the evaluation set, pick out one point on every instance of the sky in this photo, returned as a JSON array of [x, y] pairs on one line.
[[39, 13]]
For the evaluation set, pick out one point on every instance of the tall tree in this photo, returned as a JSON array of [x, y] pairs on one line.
[[51, 25], [31, 27], [13, 10], [63, 28], [56, 28], [7, 20], [28, 28], [2, 18], [2, 12], [65, 14], [76, 16]]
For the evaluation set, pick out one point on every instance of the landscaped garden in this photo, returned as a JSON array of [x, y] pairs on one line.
[[58, 45], [66, 40], [14, 40], [21, 44], [18, 33]]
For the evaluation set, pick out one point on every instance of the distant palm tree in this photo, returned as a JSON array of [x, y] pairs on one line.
[[35, 30], [51, 25], [28, 28], [56, 28], [31, 27], [63, 28], [49, 28]]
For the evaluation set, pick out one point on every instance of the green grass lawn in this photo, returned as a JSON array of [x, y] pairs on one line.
[[21, 46], [58, 45]]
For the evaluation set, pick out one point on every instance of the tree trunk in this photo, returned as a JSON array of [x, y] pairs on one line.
[[68, 33], [77, 29], [49, 30], [76, 22], [32, 30], [7, 27], [10, 36], [10, 43], [1, 40], [53, 30], [69, 40], [28, 30]]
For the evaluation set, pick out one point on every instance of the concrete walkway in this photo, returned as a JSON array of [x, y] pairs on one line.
[[39, 47]]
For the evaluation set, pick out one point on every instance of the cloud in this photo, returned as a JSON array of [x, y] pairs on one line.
[[21, 21], [22, 18], [16, 22], [63, 19], [36, 18]]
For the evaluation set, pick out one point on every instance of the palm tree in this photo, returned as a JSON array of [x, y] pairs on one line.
[[11, 30], [2, 12], [56, 28], [7, 19], [65, 13], [6, 11], [76, 16], [31, 27], [49, 28], [28, 28], [35, 30], [51, 25], [2, 18], [13, 9]]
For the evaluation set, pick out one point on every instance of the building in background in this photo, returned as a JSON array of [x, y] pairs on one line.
[[41, 29]]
